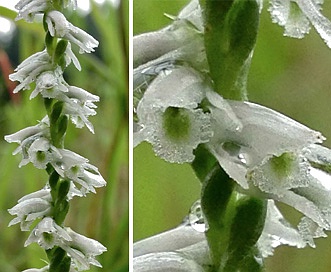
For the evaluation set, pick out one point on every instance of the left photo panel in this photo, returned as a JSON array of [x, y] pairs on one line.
[[64, 143]]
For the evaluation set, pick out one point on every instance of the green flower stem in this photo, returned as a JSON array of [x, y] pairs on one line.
[[59, 261], [58, 124], [235, 223], [230, 35]]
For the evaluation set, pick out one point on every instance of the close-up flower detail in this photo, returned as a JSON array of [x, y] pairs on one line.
[[69, 174], [58, 26], [29, 8], [49, 85], [40, 65], [76, 168], [28, 210], [169, 116], [81, 249], [190, 103]]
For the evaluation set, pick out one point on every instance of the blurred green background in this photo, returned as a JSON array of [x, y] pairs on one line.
[[289, 75], [102, 216]]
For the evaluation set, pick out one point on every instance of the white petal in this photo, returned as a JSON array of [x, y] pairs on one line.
[[171, 240], [70, 56], [82, 95], [80, 261], [271, 178], [305, 206], [44, 269], [164, 262], [277, 231], [321, 23], [86, 245], [28, 206], [57, 24], [28, 8], [182, 87], [288, 14], [19, 136], [85, 41], [264, 133]]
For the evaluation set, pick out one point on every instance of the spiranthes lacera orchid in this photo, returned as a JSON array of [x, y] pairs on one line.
[[190, 103], [42, 145]]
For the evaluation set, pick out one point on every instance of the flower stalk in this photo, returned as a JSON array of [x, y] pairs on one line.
[[43, 145]]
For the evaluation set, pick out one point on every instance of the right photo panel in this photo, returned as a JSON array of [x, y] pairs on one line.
[[231, 149]]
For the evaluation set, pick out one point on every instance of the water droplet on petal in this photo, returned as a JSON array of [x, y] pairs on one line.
[[196, 217], [242, 158]]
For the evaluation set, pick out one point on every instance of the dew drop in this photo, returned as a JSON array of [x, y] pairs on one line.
[[166, 72], [196, 218], [242, 158]]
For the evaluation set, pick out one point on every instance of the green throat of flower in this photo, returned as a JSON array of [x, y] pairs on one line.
[[283, 164], [177, 123]]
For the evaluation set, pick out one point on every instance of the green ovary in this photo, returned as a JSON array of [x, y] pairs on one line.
[[177, 123]]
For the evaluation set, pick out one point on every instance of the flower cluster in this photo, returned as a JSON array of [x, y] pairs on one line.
[[268, 154], [70, 174]]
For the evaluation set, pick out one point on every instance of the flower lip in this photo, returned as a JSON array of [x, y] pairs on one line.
[[263, 133], [171, 98]]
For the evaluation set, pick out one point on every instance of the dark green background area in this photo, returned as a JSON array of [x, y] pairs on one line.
[[289, 75]]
